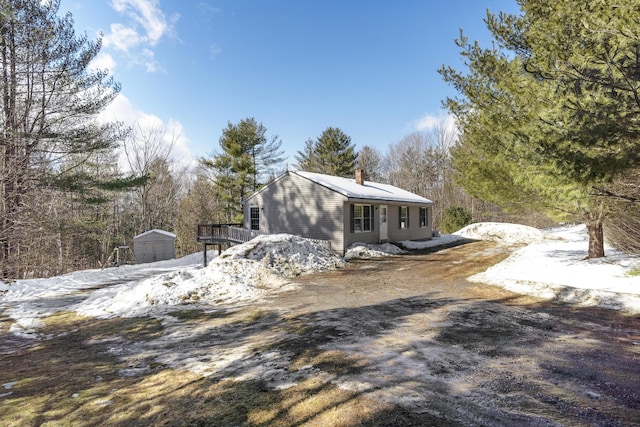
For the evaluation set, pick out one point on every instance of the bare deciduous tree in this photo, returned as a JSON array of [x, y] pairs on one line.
[[153, 204], [370, 161]]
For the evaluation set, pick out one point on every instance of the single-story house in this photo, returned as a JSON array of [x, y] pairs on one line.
[[341, 210], [154, 245]]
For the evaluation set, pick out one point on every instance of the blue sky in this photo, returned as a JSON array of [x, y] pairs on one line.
[[297, 66]]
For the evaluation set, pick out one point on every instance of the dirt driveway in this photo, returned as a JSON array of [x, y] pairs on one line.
[[399, 341]]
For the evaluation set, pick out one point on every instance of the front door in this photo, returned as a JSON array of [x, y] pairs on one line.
[[384, 232]]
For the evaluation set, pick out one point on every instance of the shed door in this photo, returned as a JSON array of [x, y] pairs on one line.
[[384, 232]]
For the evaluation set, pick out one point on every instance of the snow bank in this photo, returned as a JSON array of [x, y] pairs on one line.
[[554, 267], [508, 234], [286, 254], [368, 250], [22, 290], [221, 281], [242, 272], [28, 301]]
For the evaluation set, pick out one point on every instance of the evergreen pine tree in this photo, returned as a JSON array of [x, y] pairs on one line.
[[306, 158], [246, 162], [332, 154], [549, 112], [370, 161]]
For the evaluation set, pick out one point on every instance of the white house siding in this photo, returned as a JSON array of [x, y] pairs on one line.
[[295, 205], [414, 231], [395, 233]]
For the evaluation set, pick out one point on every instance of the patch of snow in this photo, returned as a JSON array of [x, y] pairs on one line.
[[286, 254], [29, 300], [570, 233], [508, 234], [553, 266], [369, 250], [26, 327], [220, 281]]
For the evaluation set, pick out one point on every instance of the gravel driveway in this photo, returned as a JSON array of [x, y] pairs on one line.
[[414, 333]]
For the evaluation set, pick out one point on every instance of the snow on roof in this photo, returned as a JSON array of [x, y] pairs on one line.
[[370, 190], [157, 231]]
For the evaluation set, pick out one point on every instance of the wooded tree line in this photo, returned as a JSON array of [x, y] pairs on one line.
[[547, 125]]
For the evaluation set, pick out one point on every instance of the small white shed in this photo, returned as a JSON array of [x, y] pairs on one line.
[[154, 245]]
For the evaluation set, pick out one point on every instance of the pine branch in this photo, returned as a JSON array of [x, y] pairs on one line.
[[601, 192]]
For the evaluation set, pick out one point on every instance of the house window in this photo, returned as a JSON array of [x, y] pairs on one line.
[[404, 217], [362, 218], [424, 219], [254, 215]]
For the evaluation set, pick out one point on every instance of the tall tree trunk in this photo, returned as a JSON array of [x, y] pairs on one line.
[[596, 240], [595, 232]]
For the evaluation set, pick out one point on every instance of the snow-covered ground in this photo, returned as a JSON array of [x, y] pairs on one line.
[[368, 250], [241, 273], [551, 264], [545, 263]]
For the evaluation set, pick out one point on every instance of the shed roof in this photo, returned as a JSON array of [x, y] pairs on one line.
[[370, 190], [157, 231]]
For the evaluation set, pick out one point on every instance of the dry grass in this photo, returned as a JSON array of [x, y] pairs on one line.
[[71, 379], [634, 272]]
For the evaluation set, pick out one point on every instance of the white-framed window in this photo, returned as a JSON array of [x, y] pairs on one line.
[[362, 218], [254, 215], [423, 218], [404, 216]]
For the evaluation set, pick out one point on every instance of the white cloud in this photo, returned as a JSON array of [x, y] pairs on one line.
[[148, 14], [208, 10], [430, 122], [122, 38], [147, 57], [121, 110], [103, 61], [214, 49], [146, 27]]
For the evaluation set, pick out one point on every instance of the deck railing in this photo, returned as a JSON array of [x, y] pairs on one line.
[[241, 235], [224, 233], [214, 233]]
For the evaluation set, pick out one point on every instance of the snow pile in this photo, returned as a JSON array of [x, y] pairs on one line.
[[221, 282], [243, 272], [508, 234], [286, 254], [368, 250], [28, 301], [554, 267]]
